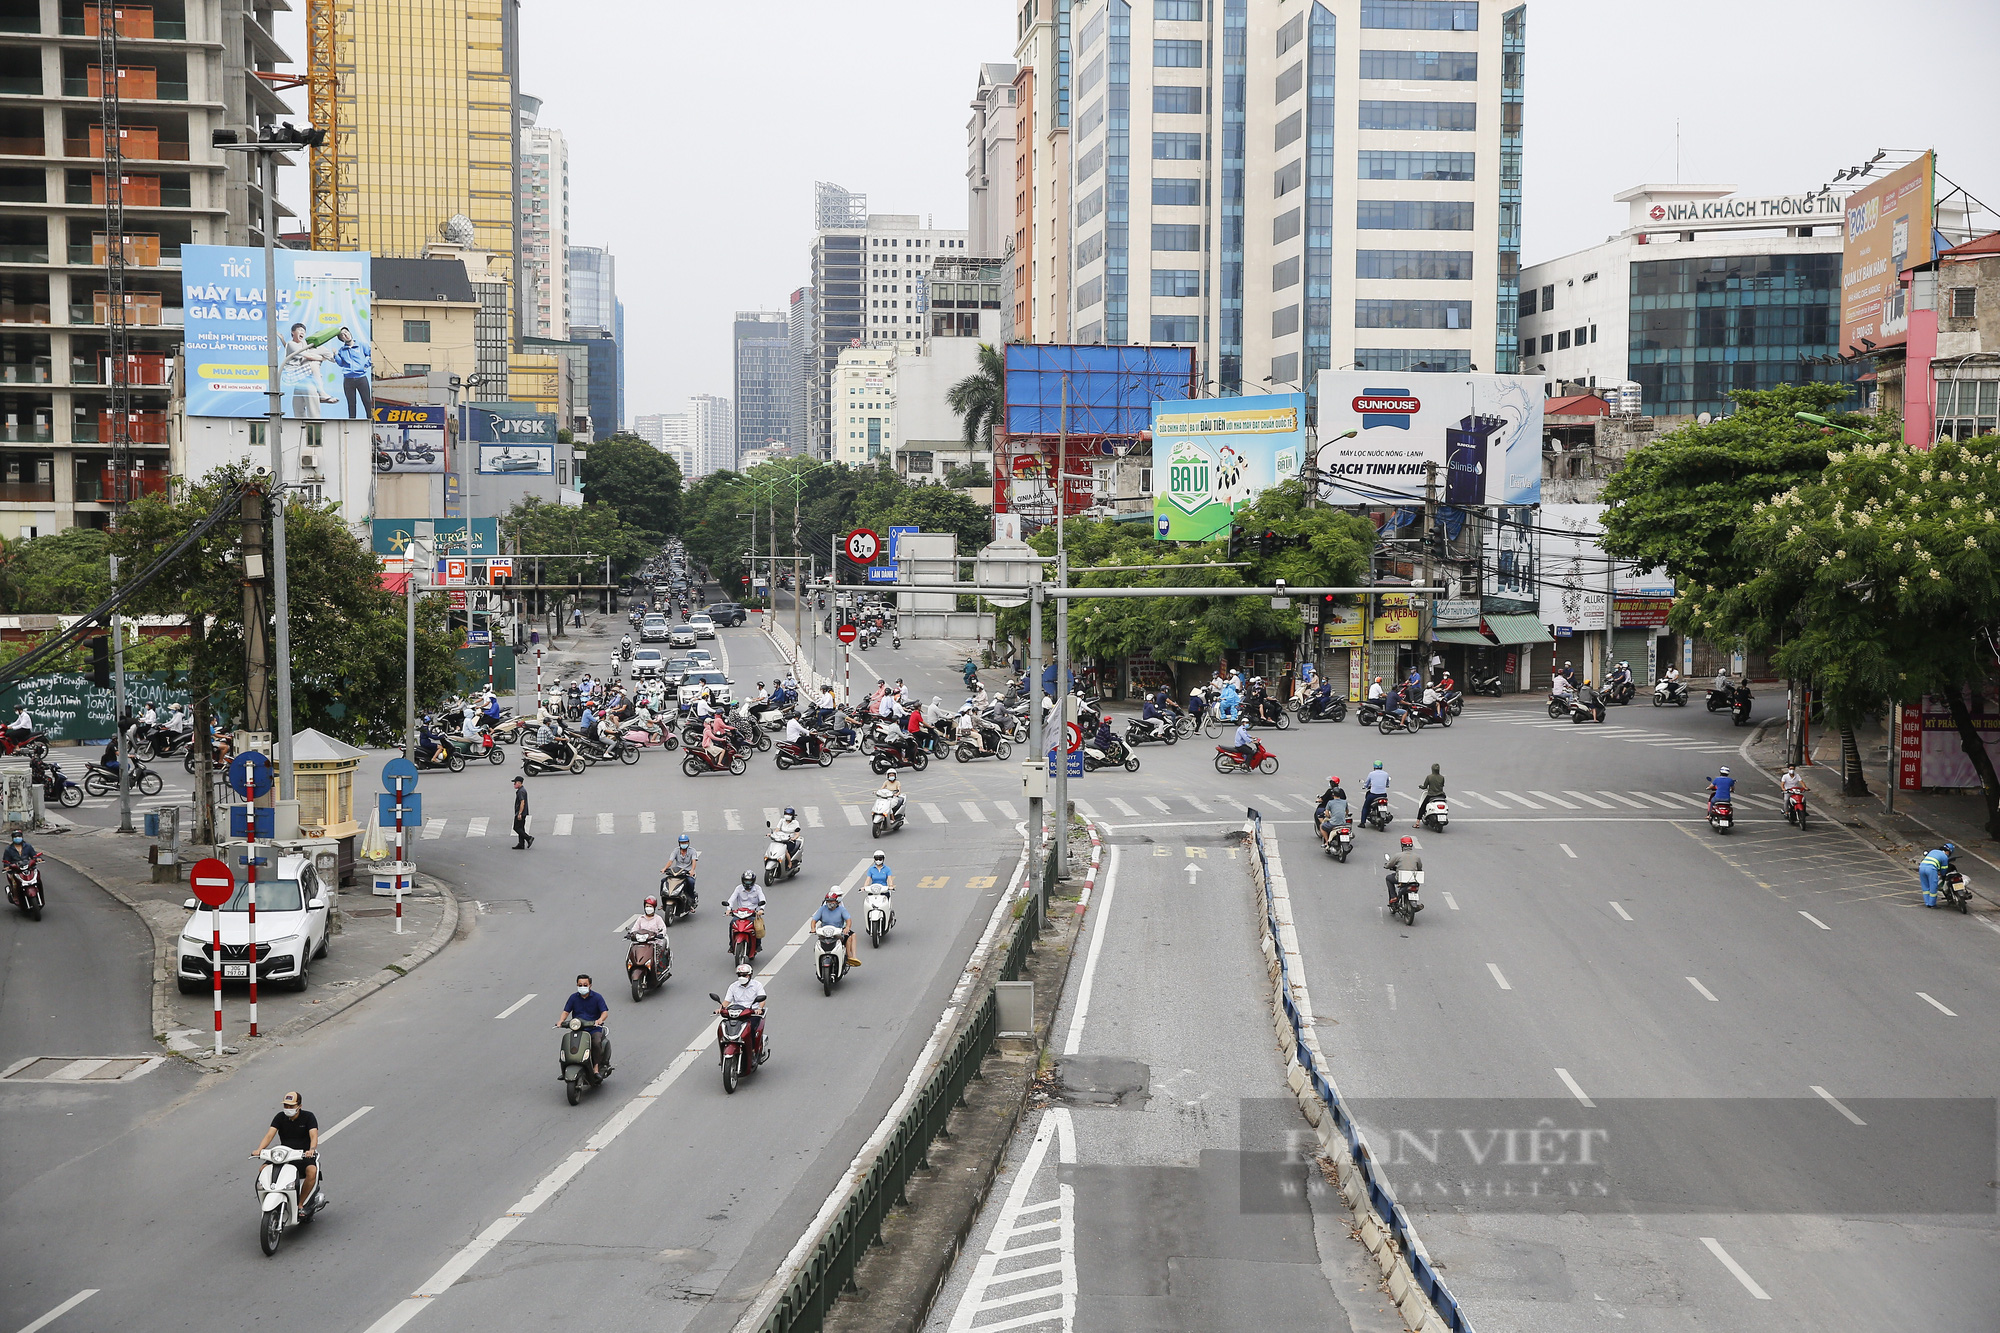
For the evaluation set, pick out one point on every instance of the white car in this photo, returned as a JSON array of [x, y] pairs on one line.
[[648, 662], [700, 659], [696, 681], [292, 913], [681, 636], [703, 625]]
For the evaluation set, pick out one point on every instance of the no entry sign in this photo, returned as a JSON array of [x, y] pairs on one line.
[[863, 546], [847, 634], [212, 882]]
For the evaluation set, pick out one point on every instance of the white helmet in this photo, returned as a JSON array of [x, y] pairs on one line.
[[743, 969]]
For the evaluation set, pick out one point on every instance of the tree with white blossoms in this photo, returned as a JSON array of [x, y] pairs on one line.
[[1880, 582]]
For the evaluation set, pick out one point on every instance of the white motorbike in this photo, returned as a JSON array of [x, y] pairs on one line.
[[888, 816], [832, 957], [1406, 903], [880, 915], [278, 1194], [1437, 814], [780, 861]]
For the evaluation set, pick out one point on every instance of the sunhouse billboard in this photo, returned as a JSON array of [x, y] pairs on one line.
[[325, 333], [1478, 436], [1213, 456]]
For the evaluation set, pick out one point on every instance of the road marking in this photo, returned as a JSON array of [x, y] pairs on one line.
[[931, 812], [1073, 1040], [647, 824], [1160, 805], [1392, 997], [564, 823], [1589, 800], [1697, 802], [1749, 1283], [1566, 851], [973, 812], [1663, 803], [1554, 800], [1198, 805], [854, 815], [934, 882], [1020, 1219], [1571, 1084], [1815, 920], [690, 821], [1006, 808], [326, 1134], [516, 1005], [812, 817], [604, 823], [476, 828], [1705, 993], [1621, 800], [771, 813], [1269, 800], [1935, 1005], [732, 820], [1123, 808], [1451, 902], [61, 1310], [1488, 799], [1834, 1102], [1083, 808], [433, 829], [1620, 909], [1494, 968]]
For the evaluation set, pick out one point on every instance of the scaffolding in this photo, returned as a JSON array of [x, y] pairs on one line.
[[117, 329]]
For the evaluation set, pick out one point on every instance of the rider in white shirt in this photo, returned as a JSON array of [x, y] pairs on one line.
[[796, 733], [1789, 781]]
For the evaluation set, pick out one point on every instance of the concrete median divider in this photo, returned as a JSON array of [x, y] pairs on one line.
[[1420, 1294]]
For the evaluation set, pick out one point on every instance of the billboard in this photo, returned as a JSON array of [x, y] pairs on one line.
[[1053, 388], [518, 460], [325, 331], [498, 425], [1573, 591], [1214, 456], [392, 536], [1478, 436], [1888, 231], [409, 439]]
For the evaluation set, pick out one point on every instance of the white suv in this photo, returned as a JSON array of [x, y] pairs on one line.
[[292, 912]]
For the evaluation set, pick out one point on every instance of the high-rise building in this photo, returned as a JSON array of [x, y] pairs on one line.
[[1039, 272], [864, 398], [593, 286], [804, 364], [1294, 187], [711, 434], [989, 161], [760, 347], [603, 378], [185, 70], [544, 226], [428, 101], [671, 434]]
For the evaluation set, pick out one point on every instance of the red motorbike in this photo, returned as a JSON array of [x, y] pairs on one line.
[[790, 753], [35, 745], [1261, 760], [739, 1036], [743, 941], [1795, 806], [696, 761], [24, 887]]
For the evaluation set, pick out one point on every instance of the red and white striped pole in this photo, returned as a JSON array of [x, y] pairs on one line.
[[250, 862], [399, 856], [215, 971], [846, 676]]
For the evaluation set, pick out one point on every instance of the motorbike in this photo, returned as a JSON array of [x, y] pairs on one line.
[[1452, 701], [743, 941], [1315, 709], [24, 887], [780, 861], [648, 963], [1795, 807], [219, 751], [57, 787], [832, 957], [646, 735], [558, 756], [1411, 720], [483, 748], [1261, 760], [880, 915], [428, 760], [1111, 756], [1582, 712], [101, 781], [1140, 732], [1740, 710], [1721, 817], [789, 753], [1620, 692], [1340, 842], [1375, 814], [734, 1039], [1370, 712], [1405, 884], [696, 762], [1718, 700], [888, 813], [677, 898], [1669, 692], [1267, 713], [35, 745], [1486, 684], [573, 1060], [1560, 705], [895, 639], [1952, 891], [1437, 813], [160, 743], [278, 1203], [968, 750], [903, 753]]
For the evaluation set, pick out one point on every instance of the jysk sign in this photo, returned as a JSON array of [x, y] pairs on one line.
[[484, 425]]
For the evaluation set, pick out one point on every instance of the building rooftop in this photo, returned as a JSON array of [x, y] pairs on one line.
[[1576, 405], [422, 280]]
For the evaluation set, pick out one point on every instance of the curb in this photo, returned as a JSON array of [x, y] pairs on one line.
[[164, 986]]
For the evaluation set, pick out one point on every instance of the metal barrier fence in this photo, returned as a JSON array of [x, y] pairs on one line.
[[1380, 1198]]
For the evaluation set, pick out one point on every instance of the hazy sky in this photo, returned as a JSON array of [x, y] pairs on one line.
[[696, 131]]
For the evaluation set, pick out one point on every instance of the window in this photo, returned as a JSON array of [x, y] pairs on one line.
[[1285, 227], [1412, 314], [416, 330], [1290, 128], [1176, 282], [1091, 205], [1426, 66], [1092, 31], [1287, 178], [1176, 55], [1170, 101], [1447, 360], [1548, 342], [1285, 273], [1419, 115], [1414, 215], [416, 368], [1292, 33], [1549, 296], [1562, 340], [1284, 370], [1090, 163], [1177, 147], [1593, 333], [1528, 301], [1291, 81], [1092, 72], [1089, 293], [1176, 328], [1445, 265], [1175, 11], [1963, 302], [1421, 15], [1175, 191], [1378, 165], [1092, 117], [1581, 335], [1967, 409], [1176, 236], [1527, 347], [1089, 248], [1284, 321]]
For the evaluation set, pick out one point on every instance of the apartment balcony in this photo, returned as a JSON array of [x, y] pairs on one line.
[[136, 143], [140, 23], [99, 484]]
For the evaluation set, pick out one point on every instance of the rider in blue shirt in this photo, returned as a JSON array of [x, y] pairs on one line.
[[1245, 747], [832, 913], [1375, 787], [588, 1005], [880, 873], [1720, 787]]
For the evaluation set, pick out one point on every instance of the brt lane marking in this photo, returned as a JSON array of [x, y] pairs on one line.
[[1571, 1084], [1494, 968], [1621, 911], [1566, 850], [1705, 994]]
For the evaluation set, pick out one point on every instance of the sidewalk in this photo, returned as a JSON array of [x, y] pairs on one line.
[[1922, 820], [364, 952]]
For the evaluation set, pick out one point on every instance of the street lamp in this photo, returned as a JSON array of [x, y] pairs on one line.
[[272, 141], [1824, 424]]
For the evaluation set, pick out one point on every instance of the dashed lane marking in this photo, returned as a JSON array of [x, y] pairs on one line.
[[564, 824], [476, 828]]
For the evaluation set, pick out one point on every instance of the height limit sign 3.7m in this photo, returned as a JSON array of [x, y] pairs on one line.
[[863, 546]]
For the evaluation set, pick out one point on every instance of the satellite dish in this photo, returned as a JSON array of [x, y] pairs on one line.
[[458, 229], [1703, 419]]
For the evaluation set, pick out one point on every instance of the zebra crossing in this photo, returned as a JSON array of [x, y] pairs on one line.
[[1661, 740]]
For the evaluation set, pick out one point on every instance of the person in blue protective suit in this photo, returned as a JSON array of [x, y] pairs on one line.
[[1930, 872]]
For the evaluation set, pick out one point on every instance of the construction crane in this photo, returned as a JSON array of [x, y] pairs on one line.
[[322, 87]]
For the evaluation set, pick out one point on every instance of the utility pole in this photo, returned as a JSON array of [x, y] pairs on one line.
[[1424, 622], [1038, 730], [1062, 636], [257, 673], [273, 428], [118, 711]]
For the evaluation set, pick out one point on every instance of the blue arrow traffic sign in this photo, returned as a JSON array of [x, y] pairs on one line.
[[399, 767], [896, 536], [413, 810], [250, 775]]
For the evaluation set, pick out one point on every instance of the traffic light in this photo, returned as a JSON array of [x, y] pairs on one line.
[[1234, 535], [100, 662], [1267, 545]]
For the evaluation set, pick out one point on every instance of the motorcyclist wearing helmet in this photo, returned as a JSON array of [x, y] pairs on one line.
[[647, 926], [296, 1128], [891, 788], [430, 744], [1721, 787], [747, 894], [800, 735], [790, 832], [1245, 746], [684, 862], [1433, 786], [748, 993], [1150, 715], [832, 913], [1931, 871], [1406, 859], [1331, 813], [1374, 787], [879, 873]]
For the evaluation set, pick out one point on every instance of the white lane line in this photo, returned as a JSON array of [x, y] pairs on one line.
[[1566, 850], [1084, 808], [1815, 920], [1590, 800], [771, 813], [1554, 800], [1935, 1005], [476, 828], [1451, 902], [1736, 1269], [854, 815], [973, 812], [1073, 1039], [1620, 909], [1197, 805], [1006, 808], [61, 1310], [732, 820], [564, 823], [1494, 968], [1159, 805], [1705, 992], [1487, 799], [1663, 804], [812, 817], [690, 821], [433, 829], [605, 823], [516, 1005], [1621, 800], [648, 824], [1392, 997], [1267, 799], [326, 1134], [931, 812], [1571, 1084], [1834, 1102], [1123, 808]]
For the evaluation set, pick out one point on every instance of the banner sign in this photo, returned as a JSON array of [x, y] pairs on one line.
[[391, 536], [1941, 754], [325, 333], [1888, 232], [1573, 593], [1642, 612], [1479, 437], [1214, 456], [70, 708], [1396, 616], [517, 460], [409, 439], [492, 425]]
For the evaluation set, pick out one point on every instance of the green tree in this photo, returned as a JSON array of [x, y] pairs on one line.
[[1877, 581], [63, 572], [970, 477], [641, 483], [588, 534], [977, 399]]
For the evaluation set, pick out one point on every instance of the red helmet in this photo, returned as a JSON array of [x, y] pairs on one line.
[[652, 902], [1333, 781], [1408, 841]]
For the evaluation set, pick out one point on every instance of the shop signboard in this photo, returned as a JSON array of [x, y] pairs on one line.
[[1341, 626], [1396, 616], [1478, 436], [409, 439], [1215, 456], [471, 537], [325, 333]]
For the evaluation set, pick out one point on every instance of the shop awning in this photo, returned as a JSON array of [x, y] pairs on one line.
[[1472, 638], [1511, 630]]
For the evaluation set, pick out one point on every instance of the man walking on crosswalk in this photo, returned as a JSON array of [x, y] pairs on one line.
[[523, 840]]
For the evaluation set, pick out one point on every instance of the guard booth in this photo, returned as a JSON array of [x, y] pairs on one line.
[[323, 776]]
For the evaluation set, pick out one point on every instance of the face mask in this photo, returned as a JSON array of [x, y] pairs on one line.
[[649, 911], [292, 1111], [583, 990]]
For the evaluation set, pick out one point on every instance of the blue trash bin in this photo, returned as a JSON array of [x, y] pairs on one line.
[[152, 823]]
